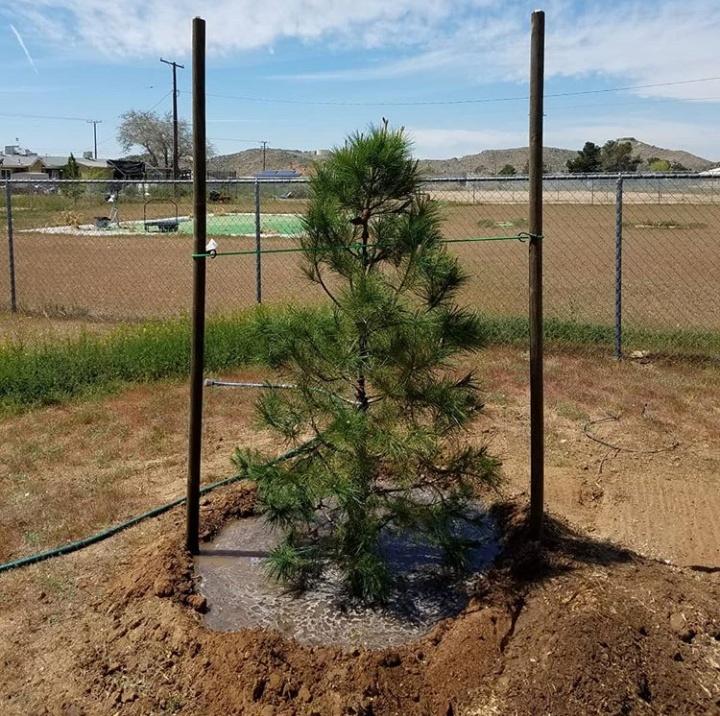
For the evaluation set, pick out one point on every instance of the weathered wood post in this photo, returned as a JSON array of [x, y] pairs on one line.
[[197, 356], [535, 167]]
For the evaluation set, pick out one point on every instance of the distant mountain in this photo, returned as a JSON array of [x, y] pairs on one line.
[[491, 161], [649, 151], [250, 162], [488, 161]]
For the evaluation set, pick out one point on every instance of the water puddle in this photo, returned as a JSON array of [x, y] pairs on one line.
[[241, 595]]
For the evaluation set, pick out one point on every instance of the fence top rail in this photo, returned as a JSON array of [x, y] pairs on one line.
[[16, 181]]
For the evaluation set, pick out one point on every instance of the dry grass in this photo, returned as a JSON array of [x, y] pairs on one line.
[[69, 471], [22, 329]]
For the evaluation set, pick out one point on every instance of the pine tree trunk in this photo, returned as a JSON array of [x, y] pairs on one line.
[[361, 392]]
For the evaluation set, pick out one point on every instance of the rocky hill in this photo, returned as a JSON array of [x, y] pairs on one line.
[[649, 151], [250, 161], [491, 161], [488, 161]]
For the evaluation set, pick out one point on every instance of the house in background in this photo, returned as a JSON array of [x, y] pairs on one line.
[[277, 174], [16, 162]]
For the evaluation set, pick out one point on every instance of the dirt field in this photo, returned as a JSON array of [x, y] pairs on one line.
[[670, 258], [587, 629]]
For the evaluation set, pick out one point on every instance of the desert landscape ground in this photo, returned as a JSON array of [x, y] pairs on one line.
[[669, 249], [618, 615]]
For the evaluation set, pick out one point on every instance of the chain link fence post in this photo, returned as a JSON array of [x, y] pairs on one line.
[[618, 266], [258, 247], [11, 247]]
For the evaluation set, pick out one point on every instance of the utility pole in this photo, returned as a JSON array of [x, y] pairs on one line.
[[94, 123], [174, 66], [264, 147], [535, 229]]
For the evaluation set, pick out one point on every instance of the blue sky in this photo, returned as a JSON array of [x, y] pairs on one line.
[[94, 59]]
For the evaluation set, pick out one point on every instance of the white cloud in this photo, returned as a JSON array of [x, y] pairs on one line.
[[649, 43], [632, 43], [147, 27], [624, 41]]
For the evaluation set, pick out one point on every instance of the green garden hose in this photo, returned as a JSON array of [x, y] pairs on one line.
[[110, 531]]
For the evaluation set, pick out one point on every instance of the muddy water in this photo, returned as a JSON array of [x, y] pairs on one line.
[[241, 595]]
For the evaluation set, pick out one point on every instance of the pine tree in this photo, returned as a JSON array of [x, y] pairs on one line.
[[379, 397], [587, 161], [72, 171]]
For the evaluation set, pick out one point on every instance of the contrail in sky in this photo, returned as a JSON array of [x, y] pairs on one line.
[[24, 48]]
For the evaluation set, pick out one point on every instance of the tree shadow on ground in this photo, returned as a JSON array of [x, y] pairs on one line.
[[561, 549]]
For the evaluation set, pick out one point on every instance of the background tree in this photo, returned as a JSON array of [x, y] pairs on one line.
[[658, 165], [587, 161], [617, 156], [380, 395], [507, 171], [153, 134], [72, 171], [526, 168]]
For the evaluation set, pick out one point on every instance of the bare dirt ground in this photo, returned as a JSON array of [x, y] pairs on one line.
[[588, 628], [669, 261]]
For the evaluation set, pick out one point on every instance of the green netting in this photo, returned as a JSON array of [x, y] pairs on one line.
[[244, 225]]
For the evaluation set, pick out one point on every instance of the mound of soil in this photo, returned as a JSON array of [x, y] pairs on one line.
[[577, 627]]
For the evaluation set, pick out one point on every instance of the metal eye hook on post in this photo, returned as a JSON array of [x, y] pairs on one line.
[[524, 236]]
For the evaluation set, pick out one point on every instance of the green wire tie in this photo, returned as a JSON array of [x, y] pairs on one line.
[[522, 236]]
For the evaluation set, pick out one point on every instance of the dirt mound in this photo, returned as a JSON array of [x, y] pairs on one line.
[[577, 628]]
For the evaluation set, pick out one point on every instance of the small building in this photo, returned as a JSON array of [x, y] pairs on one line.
[[277, 174], [16, 160]]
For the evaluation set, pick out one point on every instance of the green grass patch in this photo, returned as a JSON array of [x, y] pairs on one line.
[[675, 343], [239, 224], [55, 372], [90, 365]]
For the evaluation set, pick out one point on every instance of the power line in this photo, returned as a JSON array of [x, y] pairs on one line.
[[162, 99], [45, 116], [232, 139], [631, 103], [150, 109], [476, 100]]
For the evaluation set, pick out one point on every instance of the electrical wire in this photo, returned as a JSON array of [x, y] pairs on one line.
[[476, 100], [232, 139], [43, 116]]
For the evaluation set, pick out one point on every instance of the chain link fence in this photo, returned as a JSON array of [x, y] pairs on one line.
[[630, 263]]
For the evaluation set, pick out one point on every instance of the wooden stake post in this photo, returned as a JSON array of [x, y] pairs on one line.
[[197, 357], [535, 167]]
